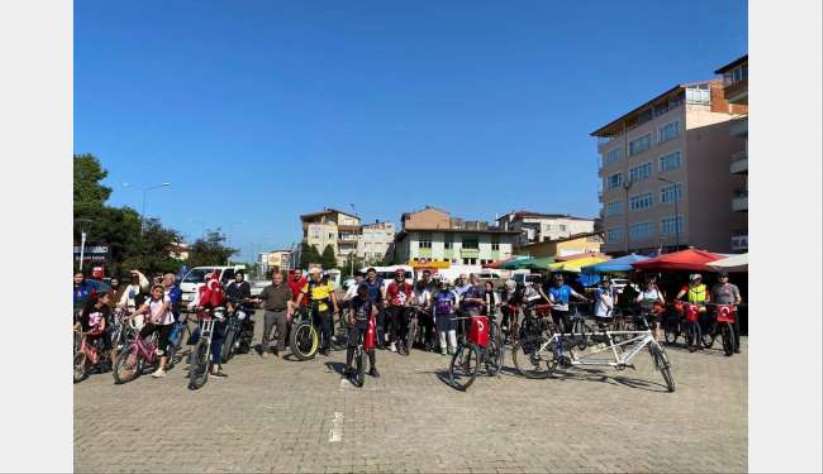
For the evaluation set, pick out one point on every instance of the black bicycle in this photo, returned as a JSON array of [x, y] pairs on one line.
[[469, 356], [239, 333]]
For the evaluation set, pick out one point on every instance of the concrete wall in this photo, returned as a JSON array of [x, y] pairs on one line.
[[427, 219]]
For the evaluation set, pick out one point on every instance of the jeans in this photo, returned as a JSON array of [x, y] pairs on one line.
[[272, 318], [399, 322], [217, 337]]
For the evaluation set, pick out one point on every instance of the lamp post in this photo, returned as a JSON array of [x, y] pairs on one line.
[[82, 239], [676, 214], [143, 211]]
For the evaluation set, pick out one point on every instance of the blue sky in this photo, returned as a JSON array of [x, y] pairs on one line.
[[273, 109]]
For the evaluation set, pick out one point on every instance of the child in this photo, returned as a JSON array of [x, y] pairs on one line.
[[361, 310], [444, 304]]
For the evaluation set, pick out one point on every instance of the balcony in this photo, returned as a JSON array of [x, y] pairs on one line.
[[740, 162], [740, 201], [469, 253], [737, 92], [739, 127]]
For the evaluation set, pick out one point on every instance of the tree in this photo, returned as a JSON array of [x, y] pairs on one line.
[[327, 259], [89, 193], [308, 254], [210, 250]]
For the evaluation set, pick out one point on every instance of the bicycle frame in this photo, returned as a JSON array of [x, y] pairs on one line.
[[620, 358]]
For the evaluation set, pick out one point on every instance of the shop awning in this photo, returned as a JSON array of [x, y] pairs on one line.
[[575, 265], [497, 264], [616, 265], [688, 260], [735, 263], [515, 263]]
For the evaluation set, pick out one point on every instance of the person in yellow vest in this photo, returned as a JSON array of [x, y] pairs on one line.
[[695, 292]]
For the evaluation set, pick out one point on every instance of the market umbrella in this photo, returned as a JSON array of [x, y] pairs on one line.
[[575, 265], [620, 264], [541, 263], [736, 263], [515, 264], [689, 260], [497, 264]]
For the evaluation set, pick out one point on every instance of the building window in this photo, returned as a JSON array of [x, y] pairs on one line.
[[699, 94], [614, 234], [331, 236], [639, 173], [562, 227], [668, 132], [469, 261], [671, 193], [614, 181], [641, 230], [613, 156], [641, 201], [639, 145], [470, 243], [671, 225], [425, 241], [614, 208], [495, 243], [447, 242], [670, 162]]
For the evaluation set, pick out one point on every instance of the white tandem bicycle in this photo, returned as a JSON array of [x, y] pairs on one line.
[[538, 356]]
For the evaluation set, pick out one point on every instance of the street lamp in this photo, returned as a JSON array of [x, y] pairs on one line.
[[82, 239], [143, 211], [676, 214]]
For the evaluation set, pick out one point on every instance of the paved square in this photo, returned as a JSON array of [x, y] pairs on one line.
[[276, 415]]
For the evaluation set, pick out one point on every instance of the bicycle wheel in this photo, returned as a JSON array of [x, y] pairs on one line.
[[671, 330], [411, 335], [304, 341], [582, 337], [199, 368], [359, 377], [727, 335], [227, 352], [707, 339], [530, 361], [126, 367], [661, 362], [463, 367], [80, 372]]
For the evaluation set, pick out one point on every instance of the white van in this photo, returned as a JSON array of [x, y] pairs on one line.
[[194, 279]]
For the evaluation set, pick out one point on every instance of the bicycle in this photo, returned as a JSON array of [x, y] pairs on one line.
[[413, 329], [692, 332], [673, 324], [90, 356], [722, 325], [482, 344], [557, 352], [239, 332], [367, 342], [305, 339], [201, 354], [578, 326], [132, 362]]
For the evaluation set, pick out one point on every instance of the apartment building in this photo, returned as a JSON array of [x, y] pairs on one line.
[[280, 259], [535, 227], [331, 227], [736, 91], [588, 242], [375, 241], [665, 174], [432, 237]]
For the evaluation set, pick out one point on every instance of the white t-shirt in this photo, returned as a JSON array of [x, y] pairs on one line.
[[603, 304], [154, 312]]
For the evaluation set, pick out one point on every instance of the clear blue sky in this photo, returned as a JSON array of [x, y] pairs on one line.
[[273, 108]]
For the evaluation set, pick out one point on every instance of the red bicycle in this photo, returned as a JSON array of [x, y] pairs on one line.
[[725, 316], [482, 344], [131, 362], [90, 355]]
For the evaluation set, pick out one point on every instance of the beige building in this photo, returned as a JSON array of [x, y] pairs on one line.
[[590, 242], [375, 241], [280, 259], [432, 237], [736, 90], [331, 227], [537, 227], [665, 172]]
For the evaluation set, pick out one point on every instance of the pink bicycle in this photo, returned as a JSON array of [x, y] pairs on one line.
[[131, 362]]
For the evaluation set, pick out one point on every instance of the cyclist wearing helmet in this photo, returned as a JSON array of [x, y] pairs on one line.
[[377, 295], [651, 300], [728, 293], [422, 299], [320, 295], [444, 304], [399, 294]]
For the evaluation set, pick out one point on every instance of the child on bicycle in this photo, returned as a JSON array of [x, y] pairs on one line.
[[96, 315], [444, 305], [361, 311]]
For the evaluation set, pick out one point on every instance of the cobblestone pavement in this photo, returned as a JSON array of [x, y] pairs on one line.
[[276, 415]]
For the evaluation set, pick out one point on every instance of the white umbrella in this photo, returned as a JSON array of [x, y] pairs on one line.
[[736, 263]]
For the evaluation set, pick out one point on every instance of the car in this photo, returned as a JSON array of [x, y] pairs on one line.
[[195, 278]]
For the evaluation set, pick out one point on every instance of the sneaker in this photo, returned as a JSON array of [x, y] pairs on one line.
[[159, 373], [374, 373], [264, 354], [276, 352], [443, 352], [219, 374], [393, 347], [451, 351]]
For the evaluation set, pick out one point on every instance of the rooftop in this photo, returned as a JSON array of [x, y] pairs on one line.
[[737, 62], [327, 211], [524, 213]]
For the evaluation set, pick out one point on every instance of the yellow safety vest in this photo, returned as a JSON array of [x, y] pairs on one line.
[[697, 294]]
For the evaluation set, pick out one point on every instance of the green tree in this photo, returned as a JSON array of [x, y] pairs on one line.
[[89, 193], [327, 259], [308, 254], [210, 250]]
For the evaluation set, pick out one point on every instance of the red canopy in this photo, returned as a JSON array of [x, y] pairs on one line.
[[689, 259]]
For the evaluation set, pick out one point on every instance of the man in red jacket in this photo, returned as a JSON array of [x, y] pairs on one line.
[[296, 284]]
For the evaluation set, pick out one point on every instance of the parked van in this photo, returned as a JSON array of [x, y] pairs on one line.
[[194, 279]]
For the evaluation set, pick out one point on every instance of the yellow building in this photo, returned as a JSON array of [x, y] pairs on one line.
[[589, 242]]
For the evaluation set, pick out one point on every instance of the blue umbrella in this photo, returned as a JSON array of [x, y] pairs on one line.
[[622, 264]]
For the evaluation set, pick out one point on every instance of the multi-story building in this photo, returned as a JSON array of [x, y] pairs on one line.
[[280, 259], [665, 172], [375, 241], [431, 237], [736, 91], [589, 242], [331, 227], [535, 227]]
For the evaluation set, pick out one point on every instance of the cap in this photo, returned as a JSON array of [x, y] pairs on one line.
[[695, 276]]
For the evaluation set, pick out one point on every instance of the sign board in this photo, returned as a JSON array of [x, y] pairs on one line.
[[427, 263], [93, 254]]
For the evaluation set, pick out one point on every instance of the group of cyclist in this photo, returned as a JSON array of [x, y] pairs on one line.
[[436, 302]]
